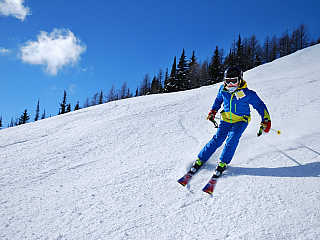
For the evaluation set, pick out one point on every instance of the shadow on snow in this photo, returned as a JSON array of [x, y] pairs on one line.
[[307, 170]]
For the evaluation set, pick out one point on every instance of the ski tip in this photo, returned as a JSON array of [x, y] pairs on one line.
[[185, 179], [206, 189], [210, 186], [209, 192], [182, 183]]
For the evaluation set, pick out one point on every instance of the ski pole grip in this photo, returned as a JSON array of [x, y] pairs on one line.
[[263, 125]]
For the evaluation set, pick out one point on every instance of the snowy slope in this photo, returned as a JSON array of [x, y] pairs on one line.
[[110, 171]]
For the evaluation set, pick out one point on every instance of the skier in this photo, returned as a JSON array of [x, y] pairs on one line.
[[236, 98]]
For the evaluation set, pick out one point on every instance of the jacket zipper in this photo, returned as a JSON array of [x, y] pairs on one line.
[[231, 107]]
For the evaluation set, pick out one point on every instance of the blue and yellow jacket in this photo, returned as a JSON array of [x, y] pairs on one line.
[[236, 105]]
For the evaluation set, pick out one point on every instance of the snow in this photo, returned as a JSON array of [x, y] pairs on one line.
[[110, 171]]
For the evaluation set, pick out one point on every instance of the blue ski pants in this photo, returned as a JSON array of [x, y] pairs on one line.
[[231, 131]]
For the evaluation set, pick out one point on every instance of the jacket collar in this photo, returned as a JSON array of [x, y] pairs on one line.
[[242, 85]]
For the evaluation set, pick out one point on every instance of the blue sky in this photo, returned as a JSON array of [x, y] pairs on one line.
[[84, 47]]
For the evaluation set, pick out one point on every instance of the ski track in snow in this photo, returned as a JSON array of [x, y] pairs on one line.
[[110, 171]]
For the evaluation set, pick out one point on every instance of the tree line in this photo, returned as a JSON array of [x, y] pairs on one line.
[[246, 53]]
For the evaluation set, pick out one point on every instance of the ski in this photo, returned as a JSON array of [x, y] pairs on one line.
[[185, 179], [209, 187]]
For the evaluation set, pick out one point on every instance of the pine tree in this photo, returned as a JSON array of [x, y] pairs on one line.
[[216, 67], [77, 107], [182, 80], [100, 98], [239, 56], [193, 72], [160, 76], [24, 118], [154, 85], [170, 83], [37, 111], [63, 105], [43, 115]]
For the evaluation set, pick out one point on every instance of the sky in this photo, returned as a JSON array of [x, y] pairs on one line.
[[83, 47]]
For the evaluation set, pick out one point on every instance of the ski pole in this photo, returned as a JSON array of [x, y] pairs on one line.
[[263, 126], [213, 121], [277, 131]]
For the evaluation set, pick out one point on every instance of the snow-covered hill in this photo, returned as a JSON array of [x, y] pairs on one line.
[[110, 171]]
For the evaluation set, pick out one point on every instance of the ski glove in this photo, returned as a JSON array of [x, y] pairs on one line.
[[266, 126], [211, 115]]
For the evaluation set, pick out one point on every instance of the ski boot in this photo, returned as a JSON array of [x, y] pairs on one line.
[[187, 177], [196, 166], [219, 169]]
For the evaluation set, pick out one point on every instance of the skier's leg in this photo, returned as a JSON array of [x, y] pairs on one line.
[[215, 142], [232, 141]]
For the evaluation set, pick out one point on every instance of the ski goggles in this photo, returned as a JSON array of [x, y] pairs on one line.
[[233, 80]]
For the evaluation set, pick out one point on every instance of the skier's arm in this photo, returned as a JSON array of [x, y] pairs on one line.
[[261, 108], [218, 101]]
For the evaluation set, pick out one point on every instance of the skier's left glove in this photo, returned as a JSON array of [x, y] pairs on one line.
[[266, 126], [211, 115]]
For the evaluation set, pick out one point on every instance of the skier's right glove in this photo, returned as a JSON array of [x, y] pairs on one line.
[[211, 115], [266, 126]]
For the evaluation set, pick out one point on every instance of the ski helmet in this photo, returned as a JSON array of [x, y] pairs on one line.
[[233, 72]]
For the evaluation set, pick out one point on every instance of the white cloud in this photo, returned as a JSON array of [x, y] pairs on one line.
[[15, 8], [72, 88], [55, 87], [54, 50], [86, 70], [3, 50]]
